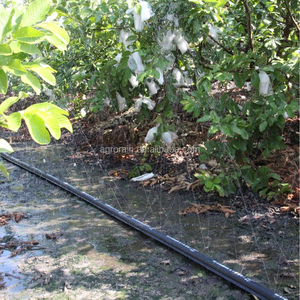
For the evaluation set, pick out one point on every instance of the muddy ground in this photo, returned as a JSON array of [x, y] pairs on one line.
[[80, 253], [73, 251]]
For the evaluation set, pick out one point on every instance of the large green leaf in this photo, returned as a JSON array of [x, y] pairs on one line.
[[3, 82], [53, 116], [51, 123], [14, 121], [33, 81], [35, 12], [15, 67], [44, 73], [55, 41], [29, 35], [5, 147], [63, 121], [45, 107], [5, 21], [240, 78], [7, 103], [37, 129], [255, 79], [5, 49], [4, 60], [56, 30], [18, 47]]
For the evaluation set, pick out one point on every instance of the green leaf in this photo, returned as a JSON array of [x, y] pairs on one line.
[[64, 122], [7, 103], [5, 147], [53, 110], [221, 3], [205, 118], [240, 144], [242, 132], [13, 121], [15, 67], [5, 50], [55, 41], [206, 85], [33, 81], [18, 47], [263, 126], [46, 107], [4, 170], [4, 60], [209, 185], [37, 129], [255, 79], [29, 35], [57, 31], [213, 129], [223, 76], [45, 73], [240, 78], [51, 123], [35, 12], [5, 21], [274, 176], [3, 82]]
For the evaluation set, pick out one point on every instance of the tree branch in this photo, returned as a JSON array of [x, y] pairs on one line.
[[222, 46], [292, 17], [249, 30]]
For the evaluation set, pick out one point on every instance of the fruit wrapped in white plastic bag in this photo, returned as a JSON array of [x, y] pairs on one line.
[[133, 81], [178, 76], [118, 58], [135, 63], [151, 134], [143, 15], [150, 103], [166, 44], [180, 42], [146, 12], [265, 87], [123, 39], [121, 102], [161, 76], [169, 137], [152, 86]]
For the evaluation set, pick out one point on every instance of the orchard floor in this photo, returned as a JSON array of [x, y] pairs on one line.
[[73, 251], [76, 252]]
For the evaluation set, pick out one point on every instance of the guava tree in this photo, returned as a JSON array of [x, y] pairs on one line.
[[24, 32], [127, 53]]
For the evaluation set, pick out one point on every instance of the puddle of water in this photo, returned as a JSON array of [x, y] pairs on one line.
[[13, 279]]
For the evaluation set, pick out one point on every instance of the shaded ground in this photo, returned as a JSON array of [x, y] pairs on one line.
[[262, 244], [82, 254]]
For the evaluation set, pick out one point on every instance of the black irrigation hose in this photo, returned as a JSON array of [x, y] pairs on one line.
[[236, 278]]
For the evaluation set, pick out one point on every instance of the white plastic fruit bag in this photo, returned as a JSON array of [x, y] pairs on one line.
[[265, 87]]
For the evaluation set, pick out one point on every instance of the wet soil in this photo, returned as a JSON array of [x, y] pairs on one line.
[[94, 257], [83, 254]]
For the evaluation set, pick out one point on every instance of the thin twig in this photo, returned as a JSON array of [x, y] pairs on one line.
[[226, 49]]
